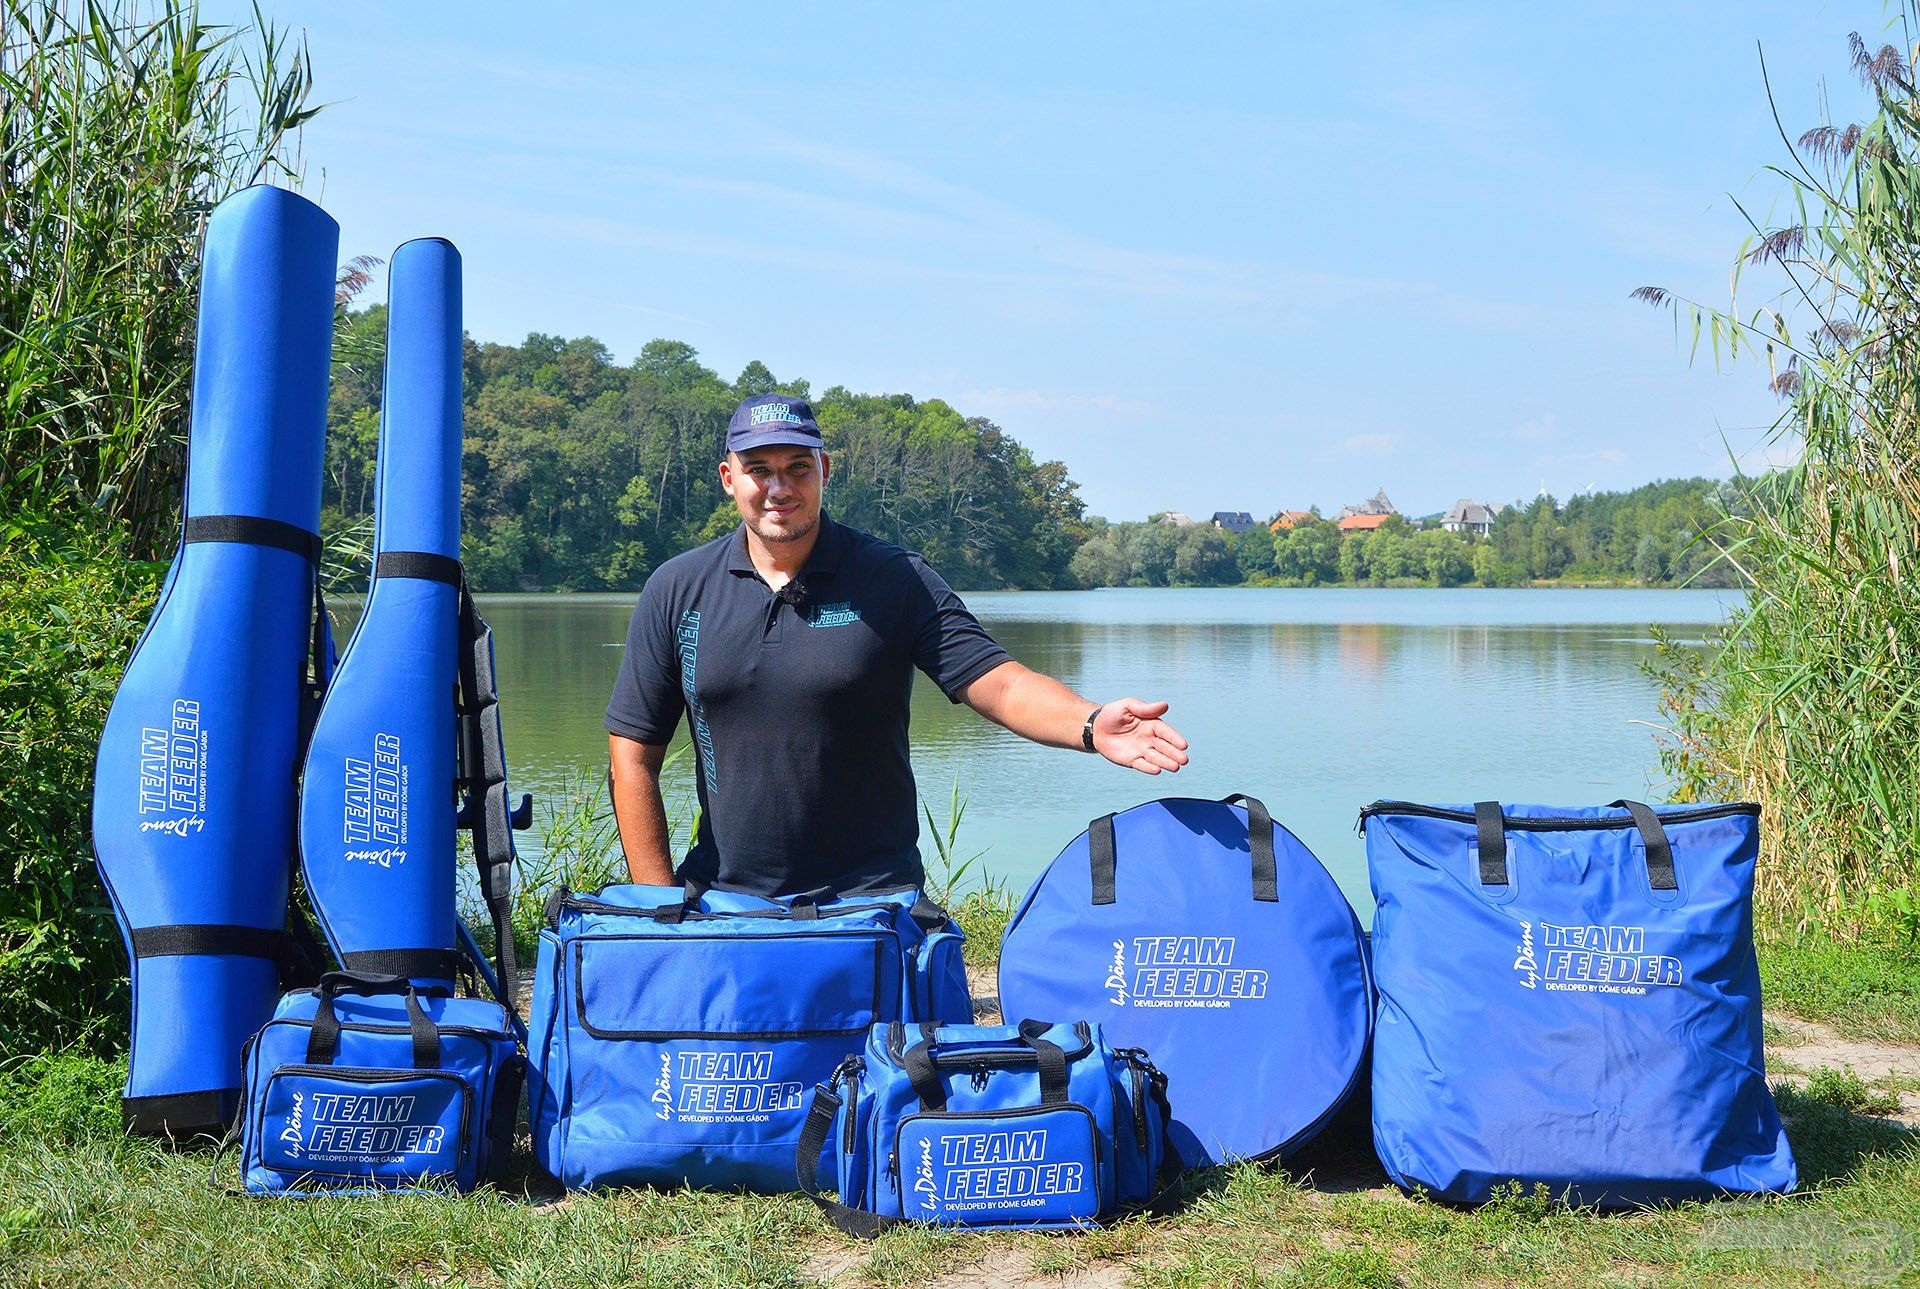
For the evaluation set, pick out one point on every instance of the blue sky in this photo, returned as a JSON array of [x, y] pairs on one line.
[[1212, 256]]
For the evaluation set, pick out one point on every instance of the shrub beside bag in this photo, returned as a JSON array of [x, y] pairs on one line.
[[367, 1084], [675, 1033], [1033, 1125], [1202, 932], [1570, 997]]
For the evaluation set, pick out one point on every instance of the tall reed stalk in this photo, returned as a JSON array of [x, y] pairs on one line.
[[1810, 700], [121, 125]]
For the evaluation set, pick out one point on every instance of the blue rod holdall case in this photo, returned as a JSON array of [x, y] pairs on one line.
[[193, 800], [1570, 997], [988, 1126], [675, 1031], [1205, 934], [369, 1084]]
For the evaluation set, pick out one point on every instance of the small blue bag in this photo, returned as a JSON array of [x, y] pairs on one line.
[[367, 1084], [674, 1033], [1570, 997], [988, 1126]]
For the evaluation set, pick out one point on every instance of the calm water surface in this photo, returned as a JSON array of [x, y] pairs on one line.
[[1315, 701]]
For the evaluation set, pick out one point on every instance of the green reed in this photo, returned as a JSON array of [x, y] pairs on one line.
[[1809, 701], [121, 125]]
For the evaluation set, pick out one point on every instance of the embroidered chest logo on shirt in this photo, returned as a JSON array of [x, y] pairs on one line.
[[832, 615]]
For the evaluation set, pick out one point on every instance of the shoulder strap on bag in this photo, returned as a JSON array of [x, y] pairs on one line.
[[486, 813], [856, 1222], [1101, 854]]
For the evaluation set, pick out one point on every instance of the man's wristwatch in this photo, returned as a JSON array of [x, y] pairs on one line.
[[1086, 731]]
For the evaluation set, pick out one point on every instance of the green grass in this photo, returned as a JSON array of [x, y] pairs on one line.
[[1862, 990], [80, 1204]]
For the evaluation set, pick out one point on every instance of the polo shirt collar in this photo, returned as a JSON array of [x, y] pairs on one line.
[[824, 561]]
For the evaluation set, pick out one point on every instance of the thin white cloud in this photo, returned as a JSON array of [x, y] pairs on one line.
[[1538, 430], [1364, 445], [1041, 402]]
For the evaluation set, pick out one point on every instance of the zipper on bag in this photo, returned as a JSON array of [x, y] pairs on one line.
[[1556, 823]]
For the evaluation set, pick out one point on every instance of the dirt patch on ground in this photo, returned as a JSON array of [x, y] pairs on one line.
[[994, 1269], [1808, 1046]]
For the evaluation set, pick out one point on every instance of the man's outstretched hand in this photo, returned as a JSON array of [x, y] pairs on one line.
[[1130, 732]]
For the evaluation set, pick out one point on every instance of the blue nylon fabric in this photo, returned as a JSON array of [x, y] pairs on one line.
[[1250, 1076], [193, 805], [1575, 1027], [369, 1122], [377, 838], [995, 1157], [670, 1054]]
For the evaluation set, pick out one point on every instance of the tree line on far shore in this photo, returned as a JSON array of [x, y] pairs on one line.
[[1651, 535], [585, 474]]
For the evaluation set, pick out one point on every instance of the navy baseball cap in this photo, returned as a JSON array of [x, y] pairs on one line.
[[772, 418]]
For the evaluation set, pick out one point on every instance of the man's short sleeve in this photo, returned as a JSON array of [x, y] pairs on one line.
[[949, 644], [647, 702]]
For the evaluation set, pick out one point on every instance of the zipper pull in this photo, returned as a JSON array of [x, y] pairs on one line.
[[981, 1073], [561, 894]]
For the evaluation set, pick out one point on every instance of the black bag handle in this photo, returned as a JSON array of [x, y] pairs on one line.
[[692, 889], [1053, 1061], [1266, 883], [917, 1061], [1492, 825], [323, 1041], [1653, 834]]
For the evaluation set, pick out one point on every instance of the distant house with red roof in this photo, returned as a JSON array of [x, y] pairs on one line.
[[1362, 523]]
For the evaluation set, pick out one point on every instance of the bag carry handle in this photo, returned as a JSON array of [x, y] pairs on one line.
[[1266, 883], [1653, 835], [323, 1042], [1492, 826], [692, 890], [1053, 1061], [917, 1061]]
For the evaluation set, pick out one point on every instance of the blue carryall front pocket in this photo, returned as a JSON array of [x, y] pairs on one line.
[[988, 1126], [676, 1034], [364, 1085]]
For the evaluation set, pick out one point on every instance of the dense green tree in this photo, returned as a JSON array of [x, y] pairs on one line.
[[583, 474], [1253, 554], [1654, 534]]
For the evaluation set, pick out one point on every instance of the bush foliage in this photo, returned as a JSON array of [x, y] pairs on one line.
[[73, 608]]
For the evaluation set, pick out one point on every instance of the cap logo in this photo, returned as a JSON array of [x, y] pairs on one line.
[[769, 412]]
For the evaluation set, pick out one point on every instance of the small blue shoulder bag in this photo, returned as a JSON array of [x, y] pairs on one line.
[[369, 1084], [988, 1127]]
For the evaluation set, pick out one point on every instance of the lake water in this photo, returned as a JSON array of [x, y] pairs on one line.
[[1315, 701]]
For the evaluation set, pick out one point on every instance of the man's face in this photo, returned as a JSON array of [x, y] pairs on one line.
[[776, 488]]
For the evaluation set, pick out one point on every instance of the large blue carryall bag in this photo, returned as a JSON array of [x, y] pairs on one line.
[[1034, 1125], [1202, 932], [368, 1084], [675, 1032], [1569, 997]]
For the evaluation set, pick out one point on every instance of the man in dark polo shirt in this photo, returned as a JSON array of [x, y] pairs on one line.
[[789, 647]]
